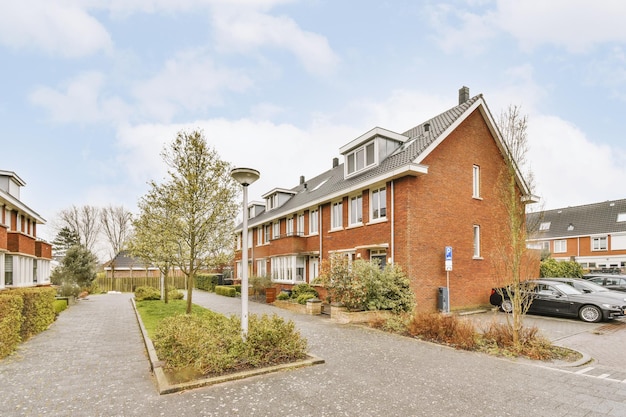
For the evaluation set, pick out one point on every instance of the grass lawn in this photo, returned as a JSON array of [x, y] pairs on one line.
[[153, 311]]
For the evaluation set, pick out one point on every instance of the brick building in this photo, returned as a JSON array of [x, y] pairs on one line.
[[594, 235], [398, 198], [24, 259]]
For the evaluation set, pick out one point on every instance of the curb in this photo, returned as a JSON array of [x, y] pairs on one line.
[[164, 386]]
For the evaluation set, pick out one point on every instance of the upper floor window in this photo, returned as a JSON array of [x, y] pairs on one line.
[[289, 230], [272, 202], [259, 236], [356, 210], [560, 246], [313, 222], [276, 229], [476, 181], [300, 230], [336, 215], [361, 158], [621, 217], [378, 204], [599, 243], [544, 226], [266, 231]]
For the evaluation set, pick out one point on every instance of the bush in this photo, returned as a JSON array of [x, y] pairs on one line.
[[446, 329], [282, 296], [38, 311], [260, 283], [302, 298], [226, 290], [59, 306], [207, 282], [11, 306], [147, 293], [362, 285], [174, 294], [303, 288], [552, 268], [67, 289], [211, 344]]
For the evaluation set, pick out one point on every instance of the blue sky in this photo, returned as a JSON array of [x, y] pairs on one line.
[[93, 89]]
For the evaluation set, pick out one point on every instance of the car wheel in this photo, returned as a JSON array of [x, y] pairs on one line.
[[507, 306], [590, 314]]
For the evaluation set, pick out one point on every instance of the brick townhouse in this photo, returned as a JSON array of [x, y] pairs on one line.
[[24, 259], [594, 235], [398, 198]]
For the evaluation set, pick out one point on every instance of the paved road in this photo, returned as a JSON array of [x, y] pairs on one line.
[[91, 362]]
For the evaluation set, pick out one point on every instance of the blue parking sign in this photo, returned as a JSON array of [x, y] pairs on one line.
[[448, 253]]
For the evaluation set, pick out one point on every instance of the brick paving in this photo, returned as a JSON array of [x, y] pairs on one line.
[[92, 362]]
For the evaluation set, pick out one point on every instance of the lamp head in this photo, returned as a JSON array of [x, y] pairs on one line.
[[245, 176]]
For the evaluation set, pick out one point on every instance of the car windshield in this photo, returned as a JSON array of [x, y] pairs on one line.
[[566, 289]]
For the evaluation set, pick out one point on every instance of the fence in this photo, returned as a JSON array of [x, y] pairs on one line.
[[128, 284]]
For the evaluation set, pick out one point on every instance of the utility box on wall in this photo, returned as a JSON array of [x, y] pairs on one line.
[[442, 299]]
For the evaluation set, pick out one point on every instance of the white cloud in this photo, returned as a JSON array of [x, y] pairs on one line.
[[81, 101], [571, 169], [242, 30], [189, 81], [57, 27]]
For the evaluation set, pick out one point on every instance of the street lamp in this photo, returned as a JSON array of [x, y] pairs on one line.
[[245, 177]]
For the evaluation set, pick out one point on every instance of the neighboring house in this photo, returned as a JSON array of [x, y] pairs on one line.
[[396, 198], [24, 259], [124, 265], [594, 235]]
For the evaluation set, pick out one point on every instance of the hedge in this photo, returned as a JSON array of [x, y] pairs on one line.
[[226, 290], [11, 306], [207, 282], [38, 309]]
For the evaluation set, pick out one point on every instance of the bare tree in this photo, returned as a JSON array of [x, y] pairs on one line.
[[513, 261], [84, 222], [116, 226]]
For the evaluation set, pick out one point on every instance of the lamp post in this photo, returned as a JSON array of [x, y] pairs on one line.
[[245, 177]]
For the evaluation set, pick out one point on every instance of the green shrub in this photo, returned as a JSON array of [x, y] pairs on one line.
[[67, 289], [302, 298], [59, 306], [550, 267], [226, 290], [303, 288], [174, 294], [207, 282], [147, 293], [11, 306], [211, 344], [38, 311], [282, 296]]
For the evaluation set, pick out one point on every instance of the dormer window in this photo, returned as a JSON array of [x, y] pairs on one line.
[[360, 158], [621, 217], [544, 226]]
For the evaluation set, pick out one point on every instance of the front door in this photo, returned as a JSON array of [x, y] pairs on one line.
[[314, 267]]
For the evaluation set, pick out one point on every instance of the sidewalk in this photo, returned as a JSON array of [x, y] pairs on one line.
[[92, 362]]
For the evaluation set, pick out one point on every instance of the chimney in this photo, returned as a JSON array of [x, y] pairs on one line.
[[464, 94], [301, 179], [335, 162]]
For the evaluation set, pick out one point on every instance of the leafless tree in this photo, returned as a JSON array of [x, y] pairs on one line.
[[116, 226], [84, 222]]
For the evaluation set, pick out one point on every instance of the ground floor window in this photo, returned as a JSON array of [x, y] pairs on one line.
[[380, 256], [288, 268], [8, 270]]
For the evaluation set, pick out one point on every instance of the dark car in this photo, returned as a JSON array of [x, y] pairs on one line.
[[560, 299], [587, 286], [612, 282]]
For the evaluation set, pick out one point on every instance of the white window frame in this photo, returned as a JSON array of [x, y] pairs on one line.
[[378, 205], [313, 222], [544, 226], [261, 267], [361, 158], [476, 181], [476, 242], [621, 217], [289, 227], [266, 232], [259, 236], [336, 215], [596, 243], [355, 217], [300, 225], [276, 229], [560, 246]]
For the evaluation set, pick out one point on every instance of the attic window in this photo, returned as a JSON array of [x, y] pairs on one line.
[[621, 217], [570, 227], [544, 226], [361, 158]]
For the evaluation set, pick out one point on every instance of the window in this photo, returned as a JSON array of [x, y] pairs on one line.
[[356, 210], [476, 181], [560, 246], [261, 269], [544, 226], [289, 230], [336, 215], [313, 223], [276, 230], [621, 217], [379, 256], [8, 270], [239, 241], [300, 231], [288, 268], [379, 204], [599, 243], [266, 230], [259, 236], [476, 241], [360, 158], [272, 202]]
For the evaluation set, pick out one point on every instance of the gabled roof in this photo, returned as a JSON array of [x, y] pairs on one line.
[[406, 160], [586, 220], [124, 260]]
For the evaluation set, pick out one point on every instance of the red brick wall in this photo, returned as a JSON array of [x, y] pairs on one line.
[[20, 243]]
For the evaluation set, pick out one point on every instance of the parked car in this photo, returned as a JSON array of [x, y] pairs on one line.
[[560, 299], [587, 286], [612, 282]]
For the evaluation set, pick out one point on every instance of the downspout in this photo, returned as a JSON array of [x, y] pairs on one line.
[[393, 228]]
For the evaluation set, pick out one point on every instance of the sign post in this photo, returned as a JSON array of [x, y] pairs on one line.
[[448, 266]]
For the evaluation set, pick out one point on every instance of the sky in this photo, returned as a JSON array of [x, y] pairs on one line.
[[92, 90]]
